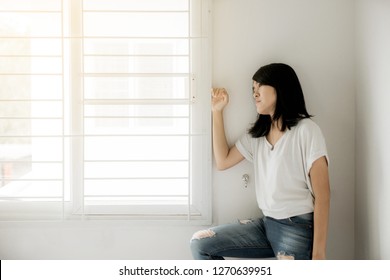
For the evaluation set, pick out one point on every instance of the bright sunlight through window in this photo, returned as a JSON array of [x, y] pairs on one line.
[[104, 109]]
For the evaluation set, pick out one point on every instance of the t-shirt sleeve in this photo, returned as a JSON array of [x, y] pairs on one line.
[[315, 145], [244, 146]]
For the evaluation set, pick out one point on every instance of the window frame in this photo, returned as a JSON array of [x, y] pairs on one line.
[[75, 208]]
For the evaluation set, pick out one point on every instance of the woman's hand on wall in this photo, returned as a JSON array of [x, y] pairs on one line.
[[219, 99]]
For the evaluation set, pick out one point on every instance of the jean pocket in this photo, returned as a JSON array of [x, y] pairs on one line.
[[305, 220]]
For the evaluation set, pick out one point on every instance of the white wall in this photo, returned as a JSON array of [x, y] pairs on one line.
[[373, 130], [316, 37]]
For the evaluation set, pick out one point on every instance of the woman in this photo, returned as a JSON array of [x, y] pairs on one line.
[[290, 161]]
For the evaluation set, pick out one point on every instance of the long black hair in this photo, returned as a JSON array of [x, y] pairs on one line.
[[290, 103]]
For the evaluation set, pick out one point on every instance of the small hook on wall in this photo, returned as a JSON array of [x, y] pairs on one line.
[[245, 178]]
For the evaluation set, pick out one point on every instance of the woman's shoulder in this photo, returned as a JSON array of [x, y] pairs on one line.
[[306, 123], [307, 126]]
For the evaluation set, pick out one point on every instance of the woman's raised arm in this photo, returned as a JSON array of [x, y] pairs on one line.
[[225, 156]]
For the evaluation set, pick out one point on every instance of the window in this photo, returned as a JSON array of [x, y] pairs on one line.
[[104, 109]]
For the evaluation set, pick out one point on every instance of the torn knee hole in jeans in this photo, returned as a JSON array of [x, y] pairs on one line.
[[245, 222], [284, 256], [207, 233]]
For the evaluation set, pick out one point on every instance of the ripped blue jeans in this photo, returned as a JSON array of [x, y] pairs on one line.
[[290, 238]]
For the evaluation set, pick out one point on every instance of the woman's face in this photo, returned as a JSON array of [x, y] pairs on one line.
[[265, 98]]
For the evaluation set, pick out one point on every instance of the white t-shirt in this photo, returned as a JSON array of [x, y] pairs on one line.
[[283, 187]]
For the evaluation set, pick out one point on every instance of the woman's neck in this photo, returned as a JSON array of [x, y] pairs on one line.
[[275, 132], [276, 126]]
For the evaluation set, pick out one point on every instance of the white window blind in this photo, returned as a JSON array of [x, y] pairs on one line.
[[104, 109]]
